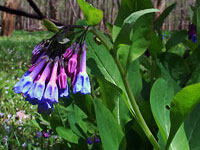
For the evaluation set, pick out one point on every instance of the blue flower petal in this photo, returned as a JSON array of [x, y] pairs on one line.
[[64, 92], [37, 90], [82, 84], [51, 93]]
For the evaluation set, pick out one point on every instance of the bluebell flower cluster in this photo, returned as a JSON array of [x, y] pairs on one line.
[[47, 79]]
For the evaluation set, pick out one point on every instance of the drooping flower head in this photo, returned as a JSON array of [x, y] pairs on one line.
[[82, 83], [53, 64]]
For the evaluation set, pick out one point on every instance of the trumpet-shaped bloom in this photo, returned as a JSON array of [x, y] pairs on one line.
[[64, 92], [62, 78], [82, 83], [37, 89], [25, 84], [72, 63], [51, 91]]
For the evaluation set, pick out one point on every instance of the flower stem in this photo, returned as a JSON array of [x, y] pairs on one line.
[[138, 115]]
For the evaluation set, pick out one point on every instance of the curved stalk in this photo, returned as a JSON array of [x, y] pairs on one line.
[[138, 116]]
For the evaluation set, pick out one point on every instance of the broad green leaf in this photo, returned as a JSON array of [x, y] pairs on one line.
[[112, 99], [181, 105], [93, 16], [159, 22], [128, 24], [134, 78], [176, 38], [191, 126], [160, 97], [67, 134], [140, 38], [50, 26], [76, 119], [111, 134], [127, 7], [122, 53], [105, 40], [101, 64]]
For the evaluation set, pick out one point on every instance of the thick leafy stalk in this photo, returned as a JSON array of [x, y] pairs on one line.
[[138, 114]]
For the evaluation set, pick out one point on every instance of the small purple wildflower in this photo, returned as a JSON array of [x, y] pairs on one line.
[[46, 134], [97, 140], [5, 139], [38, 134], [192, 33], [2, 115], [89, 141]]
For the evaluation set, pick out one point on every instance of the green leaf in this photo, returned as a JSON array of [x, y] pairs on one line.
[[59, 117], [155, 49], [191, 126], [76, 119], [111, 134], [50, 26], [93, 16], [127, 7], [140, 38], [176, 38], [181, 105], [112, 99], [122, 37], [159, 22], [176, 67], [67, 134], [133, 73], [160, 97], [101, 64]]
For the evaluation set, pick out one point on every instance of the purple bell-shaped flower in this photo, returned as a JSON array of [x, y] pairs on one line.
[[25, 84], [51, 91], [82, 83], [37, 89], [62, 77], [72, 64]]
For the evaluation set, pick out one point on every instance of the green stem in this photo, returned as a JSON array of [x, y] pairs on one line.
[[138, 114]]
